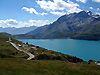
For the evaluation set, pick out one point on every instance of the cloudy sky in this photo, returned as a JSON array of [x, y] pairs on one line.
[[25, 13]]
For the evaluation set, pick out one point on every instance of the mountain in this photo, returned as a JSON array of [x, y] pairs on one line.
[[92, 27], [83, 25], [13, 30], [90, 31], [69, 26], [66, 23]]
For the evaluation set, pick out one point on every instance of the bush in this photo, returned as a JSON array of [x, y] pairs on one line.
[[43, 57]]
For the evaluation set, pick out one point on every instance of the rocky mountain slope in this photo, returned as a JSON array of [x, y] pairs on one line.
[[67, 23], [69, 26]]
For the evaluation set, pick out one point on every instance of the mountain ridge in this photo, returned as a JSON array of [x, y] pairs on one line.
[[69, 26]]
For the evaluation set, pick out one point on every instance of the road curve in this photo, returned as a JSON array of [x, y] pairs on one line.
[[31, 55]]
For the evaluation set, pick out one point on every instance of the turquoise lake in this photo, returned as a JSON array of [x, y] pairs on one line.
[[80, 48]]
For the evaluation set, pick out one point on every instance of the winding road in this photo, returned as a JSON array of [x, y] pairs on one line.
[[31, 55]]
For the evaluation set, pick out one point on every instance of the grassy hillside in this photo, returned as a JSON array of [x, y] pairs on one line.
[[46, 67], [7, 50], [13, 62]]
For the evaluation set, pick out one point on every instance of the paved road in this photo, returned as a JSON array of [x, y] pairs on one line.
[[31, 55]]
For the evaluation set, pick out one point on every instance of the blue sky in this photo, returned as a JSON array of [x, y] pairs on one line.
[[25, 13]]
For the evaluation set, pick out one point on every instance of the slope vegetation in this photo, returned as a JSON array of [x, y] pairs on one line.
[[13, 62], [7, 50]]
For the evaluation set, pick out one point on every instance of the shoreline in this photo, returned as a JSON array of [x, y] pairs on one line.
[[60, 51], [57, 38]]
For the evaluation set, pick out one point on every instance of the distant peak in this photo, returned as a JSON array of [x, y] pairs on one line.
[[82, 12], [88, 12]]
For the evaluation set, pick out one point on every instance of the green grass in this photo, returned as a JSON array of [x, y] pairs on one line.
[[16, 66], [46, 62], [44, 54], [7, 50]]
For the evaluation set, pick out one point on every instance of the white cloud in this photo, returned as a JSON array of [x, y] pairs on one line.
[[91, 7], [97, 13], [13, 23], [98, 1], [44, 14], [8, 23], [58, 13], [83, 1], [31, 10], [98, 9], [59, 5], [74, 9], [39, 22]]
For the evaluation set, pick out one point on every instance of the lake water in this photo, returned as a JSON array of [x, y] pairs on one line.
[[81, 48]]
